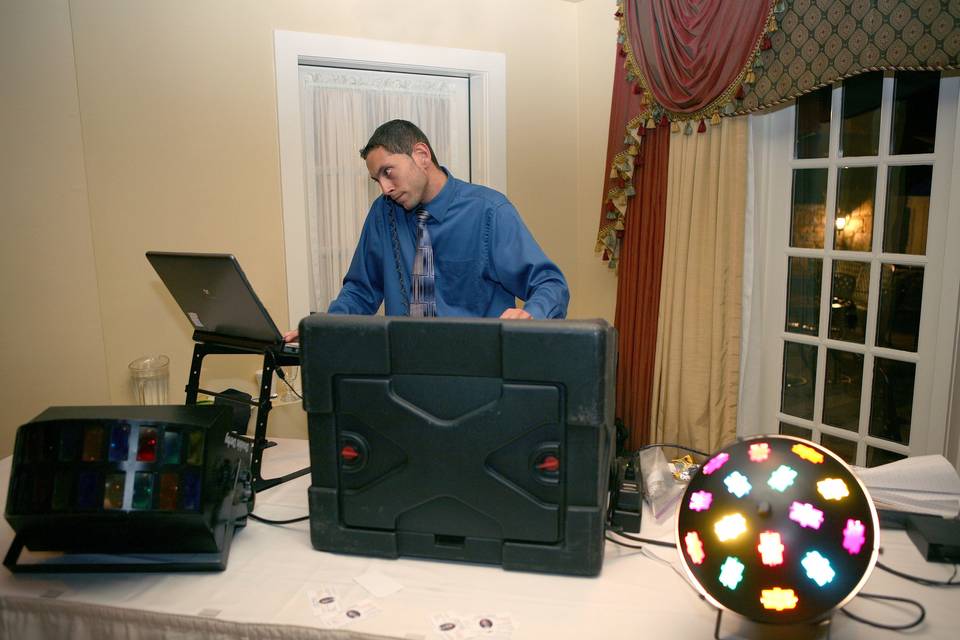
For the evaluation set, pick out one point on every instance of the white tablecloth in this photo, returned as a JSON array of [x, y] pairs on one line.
[[263, 592]]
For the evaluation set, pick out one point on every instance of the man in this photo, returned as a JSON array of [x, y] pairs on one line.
[[483, 257]]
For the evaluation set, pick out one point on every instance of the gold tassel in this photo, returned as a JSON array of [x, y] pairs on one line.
[[773, 25], [651, 124], [675, 127], [715, 118], [751, 77]]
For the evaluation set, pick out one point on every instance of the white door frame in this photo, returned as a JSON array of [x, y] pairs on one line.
[[487, 73]]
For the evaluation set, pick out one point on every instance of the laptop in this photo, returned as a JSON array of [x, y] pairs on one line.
[[218, 300]]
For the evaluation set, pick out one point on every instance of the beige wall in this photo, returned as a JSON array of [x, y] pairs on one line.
[[50, 334], [595, 292], [176, 148]]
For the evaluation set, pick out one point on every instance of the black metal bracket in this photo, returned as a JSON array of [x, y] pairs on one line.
[[818, 630], [263, 405], [113, 563]]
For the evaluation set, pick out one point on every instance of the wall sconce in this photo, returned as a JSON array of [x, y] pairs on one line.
[[778, 532]]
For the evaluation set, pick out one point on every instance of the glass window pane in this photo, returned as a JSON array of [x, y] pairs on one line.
[[803, 295], [908, 207], [813, 124], [848, 300], [799, 371], [809, 209], [877, 456], [845, 449], [855, 196], [914, 131], [841, 390], [787, 429], [898, 316], [891, 402], [860, 128]]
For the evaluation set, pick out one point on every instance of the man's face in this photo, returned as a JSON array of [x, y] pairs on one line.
[[402, 177]]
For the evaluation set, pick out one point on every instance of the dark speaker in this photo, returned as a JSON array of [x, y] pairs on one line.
[[240, 405], [474, 440]]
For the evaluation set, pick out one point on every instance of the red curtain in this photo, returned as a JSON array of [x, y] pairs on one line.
[[677, 59], [638, 287], [690, 52], [639, 247]]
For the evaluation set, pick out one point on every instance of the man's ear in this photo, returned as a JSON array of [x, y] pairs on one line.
[[421, 155]]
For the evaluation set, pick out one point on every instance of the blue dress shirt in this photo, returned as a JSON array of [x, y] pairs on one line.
[[484, 258]]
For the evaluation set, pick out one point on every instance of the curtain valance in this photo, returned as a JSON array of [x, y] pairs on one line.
[[683, 62], [820, 42]]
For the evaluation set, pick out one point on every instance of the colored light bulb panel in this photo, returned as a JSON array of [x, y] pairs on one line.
[[759, 452], [169, 494], [700, 500], [119, 444], [147, 445], [716, 462], [92, 444], [833, 489], [730, 527], [172, 443], [191, 491], [808, 453], [88, 492], [782, 478], [113, 491], [738, 484], [771, 549], [70, 440], [854, 536], [778, 599], [62, 490], [731, 572], [806, 515], [143, 490], [818, 568], [694, 547], [195, 448]]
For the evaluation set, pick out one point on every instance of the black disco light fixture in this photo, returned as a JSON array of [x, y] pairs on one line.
[[780, 532], [114, 488]]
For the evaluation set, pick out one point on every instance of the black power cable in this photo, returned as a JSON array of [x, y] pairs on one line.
[[282, 374], [927, 582], [278, 522], [889, 627]]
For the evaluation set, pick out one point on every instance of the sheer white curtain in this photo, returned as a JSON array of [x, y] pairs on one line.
[[341, 108], [764, 140]]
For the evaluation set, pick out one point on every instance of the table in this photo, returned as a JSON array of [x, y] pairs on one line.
[[263, 592]]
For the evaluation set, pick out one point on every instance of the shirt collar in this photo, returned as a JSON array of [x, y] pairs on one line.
[[438, 207]]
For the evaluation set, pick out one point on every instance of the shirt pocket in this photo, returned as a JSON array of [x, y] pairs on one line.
[[460, 284]]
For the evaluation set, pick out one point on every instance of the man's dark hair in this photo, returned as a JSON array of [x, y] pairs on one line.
[[398, 136]]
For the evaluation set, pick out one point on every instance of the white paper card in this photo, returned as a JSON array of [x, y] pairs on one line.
[[378, 584]]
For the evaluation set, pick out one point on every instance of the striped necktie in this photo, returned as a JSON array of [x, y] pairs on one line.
[[423, 302]]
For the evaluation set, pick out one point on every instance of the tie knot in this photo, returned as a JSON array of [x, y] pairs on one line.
[[422, 215]]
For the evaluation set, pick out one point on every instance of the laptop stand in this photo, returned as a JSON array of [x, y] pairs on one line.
[[271, 361]]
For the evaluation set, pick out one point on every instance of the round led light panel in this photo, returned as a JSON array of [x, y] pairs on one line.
[[778, 530]]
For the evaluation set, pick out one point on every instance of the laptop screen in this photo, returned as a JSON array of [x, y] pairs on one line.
[[216, 296]]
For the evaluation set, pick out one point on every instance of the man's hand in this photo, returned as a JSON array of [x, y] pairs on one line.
[[291, 336], [515, 314]]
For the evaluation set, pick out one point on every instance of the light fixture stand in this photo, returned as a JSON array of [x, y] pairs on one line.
[[740, 628]]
